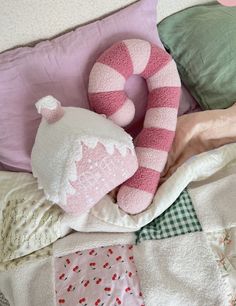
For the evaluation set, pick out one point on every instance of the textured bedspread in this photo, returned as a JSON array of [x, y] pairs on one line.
[[184, 256]]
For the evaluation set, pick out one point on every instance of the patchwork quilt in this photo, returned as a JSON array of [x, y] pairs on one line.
[[182, 251]]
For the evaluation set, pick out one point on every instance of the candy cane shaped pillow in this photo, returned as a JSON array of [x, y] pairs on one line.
[[107, 96]]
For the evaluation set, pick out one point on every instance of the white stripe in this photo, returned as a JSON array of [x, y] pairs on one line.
[[166, 77], [104, 78], [152, 159], [161, 117], [139, 51]]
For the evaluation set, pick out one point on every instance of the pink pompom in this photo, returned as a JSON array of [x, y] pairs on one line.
[[50, 109]]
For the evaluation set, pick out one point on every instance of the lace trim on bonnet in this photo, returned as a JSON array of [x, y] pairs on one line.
[[63, 164]]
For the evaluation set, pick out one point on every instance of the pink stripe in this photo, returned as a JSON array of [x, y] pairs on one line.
[[162, 117], [153, 159], [118, 57], [144, 179], [107, 102], [166, 77], [158, 59], [164, 97], [155, 138]]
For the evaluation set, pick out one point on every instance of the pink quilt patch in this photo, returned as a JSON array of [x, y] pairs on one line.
[[104, 276]]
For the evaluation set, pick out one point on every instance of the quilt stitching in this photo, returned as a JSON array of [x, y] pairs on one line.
[[180, 218], [223, 246]]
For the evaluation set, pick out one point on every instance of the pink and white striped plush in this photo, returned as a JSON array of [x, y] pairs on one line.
[[107, 96]]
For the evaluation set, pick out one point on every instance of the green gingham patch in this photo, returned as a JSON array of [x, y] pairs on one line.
[[180, 218]]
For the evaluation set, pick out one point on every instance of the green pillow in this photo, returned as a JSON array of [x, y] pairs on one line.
[[202, 40]]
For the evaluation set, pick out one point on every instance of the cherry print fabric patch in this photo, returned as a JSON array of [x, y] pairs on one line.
[[104, 276]]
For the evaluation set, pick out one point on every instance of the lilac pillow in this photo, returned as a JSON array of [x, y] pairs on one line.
[[60, 68]]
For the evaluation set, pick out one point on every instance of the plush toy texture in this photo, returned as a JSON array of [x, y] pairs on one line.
[[79, 156], [107, 96]]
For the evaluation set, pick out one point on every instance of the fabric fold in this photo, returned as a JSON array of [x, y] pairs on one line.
[[200, 132]]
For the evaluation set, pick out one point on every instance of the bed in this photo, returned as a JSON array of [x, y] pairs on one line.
[[181, 250]]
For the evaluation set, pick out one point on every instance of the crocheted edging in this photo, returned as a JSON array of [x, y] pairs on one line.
[[62, 187]]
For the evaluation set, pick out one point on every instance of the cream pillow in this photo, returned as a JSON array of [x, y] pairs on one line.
[[28, 222], [23, 24]]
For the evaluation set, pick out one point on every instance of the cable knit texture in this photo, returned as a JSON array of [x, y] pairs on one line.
[[107, 96]]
